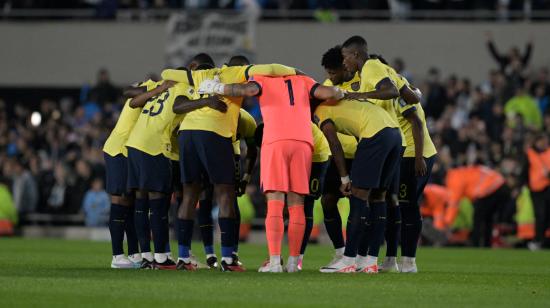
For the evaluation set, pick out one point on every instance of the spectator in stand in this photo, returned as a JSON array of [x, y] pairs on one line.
[[436, 97], [524, 105], [514, 55], [104, 91], [25, 192], [96, 205]]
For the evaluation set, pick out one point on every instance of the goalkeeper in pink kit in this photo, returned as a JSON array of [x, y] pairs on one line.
[[287, 148]]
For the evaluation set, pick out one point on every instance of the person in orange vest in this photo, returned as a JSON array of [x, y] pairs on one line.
[[487, 190], [538, 158], [434, 205]]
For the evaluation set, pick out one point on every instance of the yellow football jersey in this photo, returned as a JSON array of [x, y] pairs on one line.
[[355, 118], [154, 128], [352, 85], [349, 145], [223, 124], [321, 148], [372, 73], [245, 130], [403, 110], [115, 144]]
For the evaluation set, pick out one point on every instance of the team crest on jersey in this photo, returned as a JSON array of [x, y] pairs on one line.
[[355, 86]]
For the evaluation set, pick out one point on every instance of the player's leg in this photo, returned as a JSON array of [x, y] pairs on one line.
[[237, 160], [116, 178], [274, 230], [332, 218], [157, 178], [130, 229], [216, 156], [191, 177], [384, 151], [411, 217], [316, 183], [206, 224], [141, 204], [185, 223], [393, 222], [298, 159]]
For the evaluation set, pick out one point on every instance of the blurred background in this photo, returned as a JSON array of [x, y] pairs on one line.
[[482, 67]]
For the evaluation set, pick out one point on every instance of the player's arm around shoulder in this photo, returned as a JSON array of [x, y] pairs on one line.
[[140, 100]]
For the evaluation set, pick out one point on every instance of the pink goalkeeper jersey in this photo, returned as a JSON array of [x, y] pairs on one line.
[[284, 102]]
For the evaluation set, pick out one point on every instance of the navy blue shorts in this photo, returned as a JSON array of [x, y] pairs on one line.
[[411, 186], [176, 176], [394, 186], [149, 173], [332, 178], [206, 154], [317, 178], [377, 160], [116, 174]]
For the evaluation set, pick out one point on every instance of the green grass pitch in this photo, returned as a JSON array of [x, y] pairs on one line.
[[57, 273]]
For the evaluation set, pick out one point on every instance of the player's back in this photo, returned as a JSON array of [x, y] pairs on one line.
[[284, 103]]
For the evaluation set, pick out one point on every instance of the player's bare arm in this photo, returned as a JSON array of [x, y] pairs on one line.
[[420, 167], [410, 96], [131, 91], [140, 100], [183, 104], [328, 93], [249, 162], [384, 90], [337, 155]]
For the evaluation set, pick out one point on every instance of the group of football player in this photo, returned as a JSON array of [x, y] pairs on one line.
[[360, 135]]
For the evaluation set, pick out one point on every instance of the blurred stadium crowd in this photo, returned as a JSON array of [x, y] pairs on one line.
[[52, 161], [285, 4]]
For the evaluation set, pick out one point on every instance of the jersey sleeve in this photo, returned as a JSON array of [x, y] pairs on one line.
[[404, 109], [311, 85], [322, 114], [247, 125], [270, 70]]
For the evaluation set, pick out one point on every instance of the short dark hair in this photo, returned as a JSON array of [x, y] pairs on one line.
[[332, 59], [203, 58], [238, 60], [355, 41]]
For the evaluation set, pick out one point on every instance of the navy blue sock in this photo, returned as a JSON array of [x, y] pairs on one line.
[[308, 211], [185, 234], [237, 226], [143, 229], [227, 228], [117, 224], [131, 236], [353, 229], [410, 230], [206, 225], [166, 223], [393, 230], [377, 220], [366, 232], [333, 224], [158, 219]]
